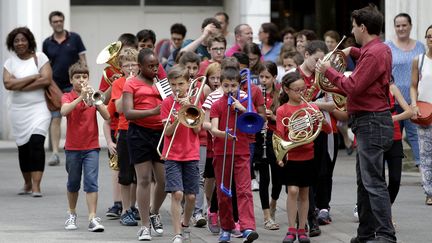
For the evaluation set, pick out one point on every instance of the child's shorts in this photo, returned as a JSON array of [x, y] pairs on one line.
[[182, 176], [82, 162], [142, 143]]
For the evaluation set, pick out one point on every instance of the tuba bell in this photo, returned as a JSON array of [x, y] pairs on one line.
[[109, 55], [304, 125]]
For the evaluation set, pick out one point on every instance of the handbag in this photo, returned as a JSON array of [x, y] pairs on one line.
[[53, 93], [425, 109], [53, 96]]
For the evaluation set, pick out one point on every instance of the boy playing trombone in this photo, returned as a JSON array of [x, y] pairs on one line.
[[181, 153]]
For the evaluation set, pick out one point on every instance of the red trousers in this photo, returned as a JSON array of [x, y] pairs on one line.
[[242, 180]]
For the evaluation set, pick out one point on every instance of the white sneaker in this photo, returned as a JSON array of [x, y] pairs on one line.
[[144, 234], [198, 220], [355, 212], [95, 225], [255, 185], [70, 223], [177, 239]]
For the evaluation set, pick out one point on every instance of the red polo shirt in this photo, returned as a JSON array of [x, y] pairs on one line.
[[219, 110], [186, 142], [82, 128], [367, 87]]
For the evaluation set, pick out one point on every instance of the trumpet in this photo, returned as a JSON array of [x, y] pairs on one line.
[[304, 126], [190, 116], [92, 97]]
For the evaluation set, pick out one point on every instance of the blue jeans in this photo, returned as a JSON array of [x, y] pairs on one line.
[[79, 161], [374, 133], [411, 134]]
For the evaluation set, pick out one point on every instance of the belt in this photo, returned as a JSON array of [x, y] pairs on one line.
[[369, 113]]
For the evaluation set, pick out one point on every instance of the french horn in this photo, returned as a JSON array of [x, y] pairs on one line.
[[304, 125], [338, 61]]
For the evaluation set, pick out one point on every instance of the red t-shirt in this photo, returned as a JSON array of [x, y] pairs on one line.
[[303, 152], [110, 72], [397, 135], [116, 93], [186, 142], [219, 110], [269, 101], [82, 129], [309, 81], [103, 86], [203, 66], [145, 97]]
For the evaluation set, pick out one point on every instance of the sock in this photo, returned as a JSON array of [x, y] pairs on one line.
[[91, 216], [72, 211]]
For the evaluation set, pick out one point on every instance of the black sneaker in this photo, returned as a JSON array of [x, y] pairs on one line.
[[314, 229], [127, 219], [135, 213], [114, 212], [156, 225]]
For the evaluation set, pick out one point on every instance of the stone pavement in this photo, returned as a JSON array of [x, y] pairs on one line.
[[27, 219]]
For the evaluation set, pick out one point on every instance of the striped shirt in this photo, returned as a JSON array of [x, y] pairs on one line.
[[215, 96]]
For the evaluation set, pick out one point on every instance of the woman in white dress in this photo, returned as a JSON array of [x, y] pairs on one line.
[[26, 74]]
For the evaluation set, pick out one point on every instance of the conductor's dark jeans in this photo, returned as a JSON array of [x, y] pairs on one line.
[[374, 134]]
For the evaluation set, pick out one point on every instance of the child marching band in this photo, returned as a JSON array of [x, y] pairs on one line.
[[299, 160], [220, 125], [182, 157]]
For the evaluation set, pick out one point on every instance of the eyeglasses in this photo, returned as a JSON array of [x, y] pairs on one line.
[[428, 37], [218, 49], [132, 65], [298, 90]]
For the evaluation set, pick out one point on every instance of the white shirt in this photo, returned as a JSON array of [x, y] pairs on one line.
[[28, 110]]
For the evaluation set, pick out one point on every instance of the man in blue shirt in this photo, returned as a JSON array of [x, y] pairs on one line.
[[63, 49]]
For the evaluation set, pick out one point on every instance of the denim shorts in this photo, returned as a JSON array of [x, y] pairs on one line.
[[56, 114], [182, 176], [82, 162]]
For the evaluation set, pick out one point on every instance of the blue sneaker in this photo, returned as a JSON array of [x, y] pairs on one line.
[[127, 219], [249, 236], [225, 236]]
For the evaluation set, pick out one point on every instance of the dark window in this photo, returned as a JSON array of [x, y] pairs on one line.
[[106, 2], [183, 2], [318, 15]]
